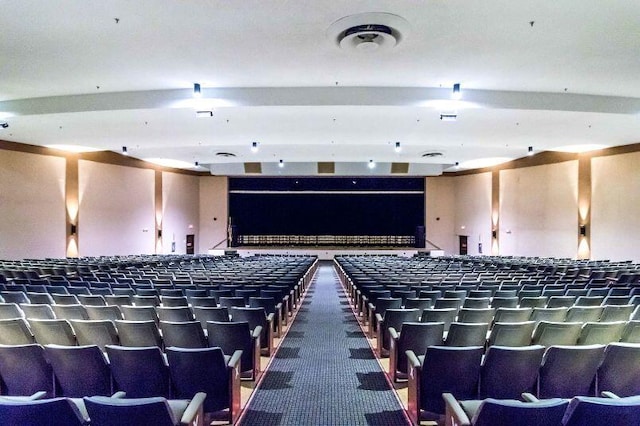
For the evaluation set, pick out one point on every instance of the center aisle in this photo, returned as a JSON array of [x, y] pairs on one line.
[[325, 372]]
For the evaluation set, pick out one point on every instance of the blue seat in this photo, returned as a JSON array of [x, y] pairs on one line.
[[593, 411], [50, 412]]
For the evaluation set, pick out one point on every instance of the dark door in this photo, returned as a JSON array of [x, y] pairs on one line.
[[463, 244], [190, 243]]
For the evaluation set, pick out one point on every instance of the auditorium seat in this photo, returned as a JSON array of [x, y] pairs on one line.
[[257, 317], [428, 380], [174, 314], [505, 314], [24, 370], [466, 334], [511, 333], [106, 411], [507, 372], [392, 318], [476, 315], [52, 412], [183, 334], [549, 333], [79, 370], [415, 336], [139, 371], [53, 331], [210, 313], [567, 371], [139, 333], [10, 310], [15, 331], [601, 332], [380, 306], [631, 332], [108, 312], [616, 313], [584, 313], [233, 336], [492, 412], [594, 411], [95, 332], [447, 316], [549, 314], [619, 372], [207, 370], [38, 311], [69, 312], [139, 313]]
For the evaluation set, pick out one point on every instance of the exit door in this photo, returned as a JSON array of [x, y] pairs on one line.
[[463, 244], [190, 243]]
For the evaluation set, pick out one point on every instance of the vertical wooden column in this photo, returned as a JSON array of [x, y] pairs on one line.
[[495, 212], [72, 205], [158, 210], [584, 206]]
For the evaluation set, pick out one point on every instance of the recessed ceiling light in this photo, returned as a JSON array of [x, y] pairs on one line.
[[530, 151], [281, 164], [398, 148], [124, 150], [254, 147], [372, 164]]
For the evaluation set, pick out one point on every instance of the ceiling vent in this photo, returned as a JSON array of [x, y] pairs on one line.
[[368, 32], [432, 154], [225, 154]]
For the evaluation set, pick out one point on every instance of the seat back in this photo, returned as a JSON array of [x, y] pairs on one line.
[[79, 370], [70, 311], [24, 370], [139, 333], [200, 370], [512, 314], [15, 331], [54, 412], [183, 334], [619, 372], [436, 378], [10, 311], [502, 412], [507, 372], [55, 331], [139, 313], [602, 411], [395, 318], [230, 337], [467, 334], [584, 313], [476, 315], [38, 311], [567, 371], [631, 333], [601, 332], [139, 371], [556, 333], [511, 333], [95, 332], [175, 314], [255, 317], [104, 411], [417, 336], [548, 314], [210, 313], [447, 316], [108, 312], [617, 313]]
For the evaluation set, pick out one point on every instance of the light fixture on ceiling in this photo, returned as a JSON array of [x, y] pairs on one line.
[[450, 116], [124, 150], [196, 90], [254, 147], [281, 164], [196, 164], [530, 151], [372, 164], [398, 148], [4, 124], [457, 165], [204, 114], [457, 94]]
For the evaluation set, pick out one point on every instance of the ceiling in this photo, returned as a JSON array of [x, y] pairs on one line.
[[535, 73]]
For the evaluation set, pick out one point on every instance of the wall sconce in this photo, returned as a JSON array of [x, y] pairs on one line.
[[583, 230], [73, 230], [494, 234], [159, 233]]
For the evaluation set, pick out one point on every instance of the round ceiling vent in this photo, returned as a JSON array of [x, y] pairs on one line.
[[368, 32]]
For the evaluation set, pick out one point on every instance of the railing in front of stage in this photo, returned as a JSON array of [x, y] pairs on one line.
[[328, 240]]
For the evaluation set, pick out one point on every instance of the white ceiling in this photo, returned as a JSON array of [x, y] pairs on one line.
[[71, 74]]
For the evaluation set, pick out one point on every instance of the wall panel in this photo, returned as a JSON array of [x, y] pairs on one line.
[[180, 212]]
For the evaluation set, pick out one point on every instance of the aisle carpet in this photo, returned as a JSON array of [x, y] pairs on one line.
[[324, 372]]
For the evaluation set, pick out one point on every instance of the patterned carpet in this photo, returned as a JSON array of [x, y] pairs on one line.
[[324, 372]]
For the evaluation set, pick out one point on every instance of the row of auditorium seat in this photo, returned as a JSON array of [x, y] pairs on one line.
[[139, 372], [507, 373]]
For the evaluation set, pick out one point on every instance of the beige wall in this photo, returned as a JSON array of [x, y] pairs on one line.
[[473, 211], [180, 212], [32, 209], [615, 207], [214, 212], [117, 214], [539, 211], [440, 212]]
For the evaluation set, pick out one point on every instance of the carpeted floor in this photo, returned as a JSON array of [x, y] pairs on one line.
[[324, 372]]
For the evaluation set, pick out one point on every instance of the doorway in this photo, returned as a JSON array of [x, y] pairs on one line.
[[190, 243], [463, 244]]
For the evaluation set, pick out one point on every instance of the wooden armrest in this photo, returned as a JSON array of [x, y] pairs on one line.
[[529, 397], [454, 414], [194, 409], [608, 394]]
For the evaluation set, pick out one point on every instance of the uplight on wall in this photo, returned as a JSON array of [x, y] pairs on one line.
[[254, 147], [372, 164], [398, 148], [197, 92], [530, 151], [583, 230], [124, 150], [281, 164]]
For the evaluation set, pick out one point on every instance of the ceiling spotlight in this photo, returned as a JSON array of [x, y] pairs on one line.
[[4, 124], [457, 94], [448, 116], [254, 147], [530, 151], [281, 164], [204, 114], [124, 150], [371, 164], [196, 164], [457, 165], [397, 148], [196, 90]]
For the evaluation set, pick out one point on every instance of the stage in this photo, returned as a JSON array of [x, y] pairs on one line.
[[325, 253]]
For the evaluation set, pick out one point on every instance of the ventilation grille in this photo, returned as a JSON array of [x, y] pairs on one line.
[[225, 154], [254, 168], [326, 168], [399, 168]]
